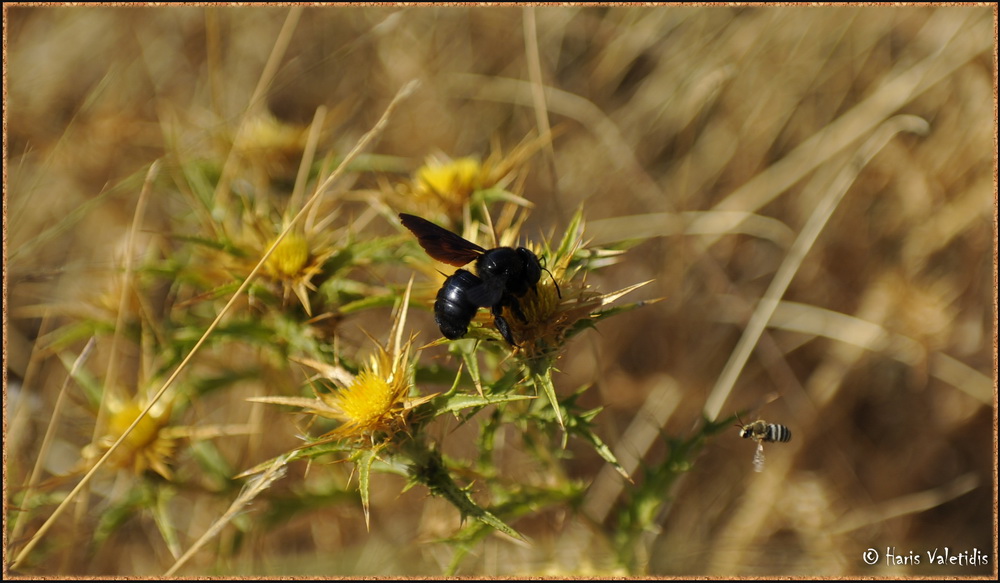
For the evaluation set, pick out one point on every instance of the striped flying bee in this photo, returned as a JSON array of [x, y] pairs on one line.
[[761, 431]]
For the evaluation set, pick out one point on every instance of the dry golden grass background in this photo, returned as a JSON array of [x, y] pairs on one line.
[[674, 120]]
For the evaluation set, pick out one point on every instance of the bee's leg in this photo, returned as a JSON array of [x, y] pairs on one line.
[[501, 323], [515, 307]]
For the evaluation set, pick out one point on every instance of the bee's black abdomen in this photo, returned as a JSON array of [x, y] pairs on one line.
[[452, 310]]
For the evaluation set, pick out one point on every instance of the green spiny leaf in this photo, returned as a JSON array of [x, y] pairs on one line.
[[543, 381], [363, 462], [459, 401], [429, 469]]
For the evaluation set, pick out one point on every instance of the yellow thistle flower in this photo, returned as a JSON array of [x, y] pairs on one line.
[[288, 258], [445, 186], [294, 263], [450, 181], [374, 405], [148, 446]]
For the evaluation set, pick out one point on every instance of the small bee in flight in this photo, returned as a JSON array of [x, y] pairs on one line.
[[761, 431]]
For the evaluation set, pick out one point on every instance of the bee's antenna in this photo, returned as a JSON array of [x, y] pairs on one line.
[[554, 282], [741, 425]]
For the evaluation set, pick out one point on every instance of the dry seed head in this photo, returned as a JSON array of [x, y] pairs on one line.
[[271, 145], [552, 312], [553, 306]]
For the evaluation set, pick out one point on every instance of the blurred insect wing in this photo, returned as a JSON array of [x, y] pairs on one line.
[[758, 457], [440, 243]]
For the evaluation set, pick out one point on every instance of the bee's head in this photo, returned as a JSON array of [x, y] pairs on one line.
[[532, 266], [744, 428]]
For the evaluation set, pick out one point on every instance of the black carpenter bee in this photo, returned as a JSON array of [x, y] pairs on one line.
[[504, 275], [761, 431]]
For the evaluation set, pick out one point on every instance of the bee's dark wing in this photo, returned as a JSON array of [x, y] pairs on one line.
[[440, 243], [486, 294]]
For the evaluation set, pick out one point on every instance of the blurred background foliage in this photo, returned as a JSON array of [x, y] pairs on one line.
[[701, 138]]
